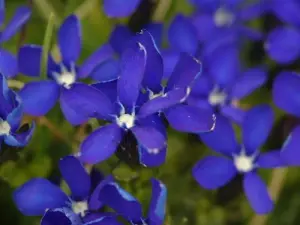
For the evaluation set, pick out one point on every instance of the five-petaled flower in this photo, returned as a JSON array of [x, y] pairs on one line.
[[215, 171]]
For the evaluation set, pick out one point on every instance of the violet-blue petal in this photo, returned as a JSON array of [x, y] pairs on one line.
[[200, 102], [185, 72], [289, 13], [207, 5], [167, 100], [107, 71], [152, 157], [55, 217], [121, 201], [149, 137], [108, 88], [170, 59], [253, 11], [2, 11], [291, 148], [76, 177], [250, 33], [104, 220], [8, 64], [271, 159], [227, 59], [186, 118], [95, 202], [20, 17], [29, 60], [69, 39], [102, 54], [100, 144], [285, 91], [20, 139], [202, 86], [120, 8], [256, 127], [257, 193], [233, 113], [37, 195], [119, 38], [157, 210], [39, 97], [282, 44], [154, 64], [182, 35], [213, 172], [222, 138], [14, 118], [249, 81], [205, 26], [133, 64], [156, 30], [88, 101]]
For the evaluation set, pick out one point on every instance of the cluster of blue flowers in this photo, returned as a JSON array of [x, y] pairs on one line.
[[194, 86]]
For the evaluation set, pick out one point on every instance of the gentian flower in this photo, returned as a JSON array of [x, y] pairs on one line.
[[223, 18], [40, 96], [130, 209], [285, 91], [120, 8], [8, 62], [10, 117], [222, 85], [39, 196], [213, 172]]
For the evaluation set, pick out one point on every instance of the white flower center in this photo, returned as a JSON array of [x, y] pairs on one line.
[[66, 78], [244, 163], [223, 17], [4, 128], [217, 98], [126, 120], [80, 208]]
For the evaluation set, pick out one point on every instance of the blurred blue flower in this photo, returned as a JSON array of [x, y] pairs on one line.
[[213, 172], [130, 209], [39, 197], [41, 96], [8, 62], [10, 118], [120, 8]]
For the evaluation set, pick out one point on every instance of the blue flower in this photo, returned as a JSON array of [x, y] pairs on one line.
[[290, 149], [130, 209], [40, 96], [223, 18], [8, 62], [120, 8], [10, 118], [215, 171], [39, 196]]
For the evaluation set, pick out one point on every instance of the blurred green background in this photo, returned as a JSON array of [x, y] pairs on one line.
[[188, 203]]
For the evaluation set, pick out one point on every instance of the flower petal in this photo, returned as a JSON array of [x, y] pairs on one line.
[[133, 65], [270, 159], [37, 195], [14, 118], [256, 127], [39, 97], [282, 44], [253, 11], [233, 113], [170, 59], [156, 30], [120, 8], [76, 177], [69, 39], [107, 71], [186, 118], [157, 210], [291, 148], [205, 26], [100, 144], [56, 217], [8, 64], [29, 60], [257, 193], [119, 38], [121, 201], [87, 101], [289, 13], [163, 102], [285, 91], [102, 54], [108, 88], [182, 35], [149, 157], [248, 82], [20, 17], [203, 86], [20, 139], [186, 71], [104, 220], [213, 172], [251, 33], [222, 138]]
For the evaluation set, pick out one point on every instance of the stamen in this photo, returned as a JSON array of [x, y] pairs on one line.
[[80, 208], [4, 128], [223, 17]]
